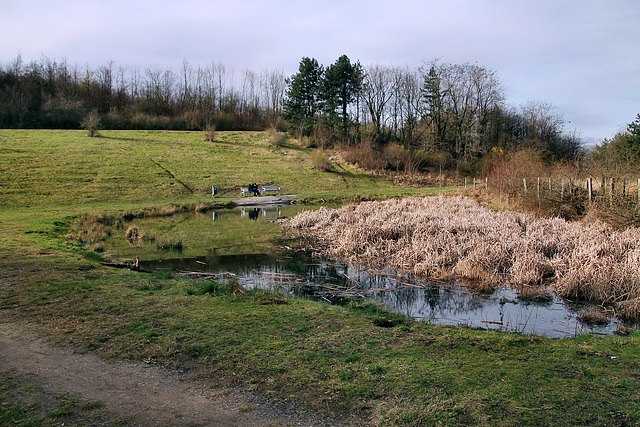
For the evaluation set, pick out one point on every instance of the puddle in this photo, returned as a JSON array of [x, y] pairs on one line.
[[242, 242]]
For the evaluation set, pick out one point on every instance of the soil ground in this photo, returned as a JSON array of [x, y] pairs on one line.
[[136, 394]]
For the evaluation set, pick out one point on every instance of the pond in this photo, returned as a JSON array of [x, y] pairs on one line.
[[246, 243]]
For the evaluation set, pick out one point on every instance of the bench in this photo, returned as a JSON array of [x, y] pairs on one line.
[[269, 189], [263, 189]]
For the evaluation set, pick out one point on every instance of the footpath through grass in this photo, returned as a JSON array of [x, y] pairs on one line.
[[359, 361]]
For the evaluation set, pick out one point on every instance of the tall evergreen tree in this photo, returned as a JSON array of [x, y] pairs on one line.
[[342, 84], [433, 99], [634, 132], [627, 144], [302, 102]]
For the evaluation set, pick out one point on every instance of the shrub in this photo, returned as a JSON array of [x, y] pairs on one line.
[[91, 124], [133, 234], [308, 142], [281, 125], [396, 156], [276, 138], [365, 156], [321, 162], [209, 133]]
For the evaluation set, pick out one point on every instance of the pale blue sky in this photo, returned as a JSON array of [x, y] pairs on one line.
[[583, 56]]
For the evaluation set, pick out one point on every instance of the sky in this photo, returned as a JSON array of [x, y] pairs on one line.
[[582, 56]]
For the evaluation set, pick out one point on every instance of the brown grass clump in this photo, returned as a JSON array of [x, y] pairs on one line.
[[321, 162], [480, 286], [202, 207], [534, 294], [276, 138], [594, 316], [133, 234], [624, 331], [439, 237], [93, 229]]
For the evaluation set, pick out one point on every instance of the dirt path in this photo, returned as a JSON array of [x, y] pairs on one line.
[[145, 395]]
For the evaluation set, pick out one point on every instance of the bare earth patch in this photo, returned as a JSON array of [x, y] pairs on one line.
[[134, 393]]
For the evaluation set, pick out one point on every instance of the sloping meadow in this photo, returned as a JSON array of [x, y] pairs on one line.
[[446, 237]]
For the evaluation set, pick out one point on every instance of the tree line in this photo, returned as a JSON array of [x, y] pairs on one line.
[[455, 112], [55, 94]]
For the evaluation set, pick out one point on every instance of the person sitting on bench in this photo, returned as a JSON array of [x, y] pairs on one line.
[[254, 188]]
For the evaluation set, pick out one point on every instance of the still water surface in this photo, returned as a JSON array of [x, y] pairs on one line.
[[246, 242]]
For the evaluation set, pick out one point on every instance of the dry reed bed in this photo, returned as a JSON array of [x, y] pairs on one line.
[[442, 237]]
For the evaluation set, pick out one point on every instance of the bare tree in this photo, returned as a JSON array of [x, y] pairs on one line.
[[458, 98], [186, 89], [104, 80], [219, 76], [274, 85], [159, 89], [250, 96], [409, 105], [377, 90]]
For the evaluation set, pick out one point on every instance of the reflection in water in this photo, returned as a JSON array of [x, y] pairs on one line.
[[267, 212], [446, 304], [296, 273]]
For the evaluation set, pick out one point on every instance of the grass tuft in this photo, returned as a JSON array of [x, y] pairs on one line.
[[169, 244]]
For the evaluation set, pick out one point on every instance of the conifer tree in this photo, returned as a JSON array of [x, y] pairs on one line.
[[303, 98], [342, 84]]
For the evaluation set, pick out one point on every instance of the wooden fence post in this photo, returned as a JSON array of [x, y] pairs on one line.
[[524, 181], [590, 189], [570, 187], [611, 189]]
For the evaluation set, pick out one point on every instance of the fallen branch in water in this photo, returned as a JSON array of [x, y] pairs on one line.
[[206, 276], [128, 266]]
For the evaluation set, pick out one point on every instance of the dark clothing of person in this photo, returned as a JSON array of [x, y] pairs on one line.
[[254, 189]]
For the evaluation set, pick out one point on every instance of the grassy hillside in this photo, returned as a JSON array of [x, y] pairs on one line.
[[44, 168], [331, 358]]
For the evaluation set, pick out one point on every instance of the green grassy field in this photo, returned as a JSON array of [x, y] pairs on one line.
[[329, 358]]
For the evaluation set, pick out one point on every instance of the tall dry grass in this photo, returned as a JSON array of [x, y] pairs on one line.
[[443, 237]]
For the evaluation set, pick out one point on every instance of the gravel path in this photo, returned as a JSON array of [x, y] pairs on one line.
[[146, 395]]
